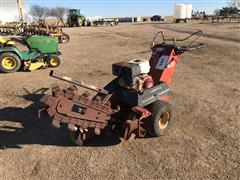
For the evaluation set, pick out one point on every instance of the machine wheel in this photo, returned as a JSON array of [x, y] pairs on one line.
[[85, 23], [79, 22], [80, 138], [53, 61], [64, 38], [177, 20], [69, 23], [76, 137], [9, 62], [160, 120]]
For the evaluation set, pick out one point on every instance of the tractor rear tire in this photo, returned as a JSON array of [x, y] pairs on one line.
[[53, 61], [76, 137], [85, 23], [9, 62], [69, 22], [161, 119], [79, 22]]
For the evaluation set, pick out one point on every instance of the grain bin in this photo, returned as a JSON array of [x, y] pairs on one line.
[[188, 11], [182, 12]]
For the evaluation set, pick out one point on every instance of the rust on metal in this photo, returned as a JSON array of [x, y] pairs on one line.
[[67, 107], [133, 126], [90, 116], [63, 77]]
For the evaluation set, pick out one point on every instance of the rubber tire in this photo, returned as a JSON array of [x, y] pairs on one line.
[[49, 59], [76, 138], [69, 22], [152, 123], [18, 61], [85, 23], [177, 21], [79, 22], [66, 39]]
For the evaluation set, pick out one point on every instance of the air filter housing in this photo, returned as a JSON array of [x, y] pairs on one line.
[[129, 71]]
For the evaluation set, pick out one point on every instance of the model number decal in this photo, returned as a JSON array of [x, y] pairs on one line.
[[162, 62]]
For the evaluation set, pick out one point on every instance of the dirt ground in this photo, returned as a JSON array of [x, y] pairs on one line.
[[204, 142]]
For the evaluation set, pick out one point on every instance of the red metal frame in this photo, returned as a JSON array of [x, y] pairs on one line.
[[164, 74], [102, 112]]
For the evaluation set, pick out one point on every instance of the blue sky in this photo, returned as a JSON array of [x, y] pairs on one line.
[[129, 7]]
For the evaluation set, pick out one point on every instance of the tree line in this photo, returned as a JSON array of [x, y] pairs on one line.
[[231, 10], [42, 12]]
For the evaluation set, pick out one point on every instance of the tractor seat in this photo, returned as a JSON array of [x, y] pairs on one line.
[[5, 42]]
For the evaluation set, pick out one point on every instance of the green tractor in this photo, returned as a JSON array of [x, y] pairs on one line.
[[42, 53], [75, 18]]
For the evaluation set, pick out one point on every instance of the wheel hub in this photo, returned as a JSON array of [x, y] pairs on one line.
[[164, 119], [9, 63], [53, 62]]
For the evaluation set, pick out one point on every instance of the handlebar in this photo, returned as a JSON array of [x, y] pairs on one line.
[[174, 40], [190, 48], [180, 50]]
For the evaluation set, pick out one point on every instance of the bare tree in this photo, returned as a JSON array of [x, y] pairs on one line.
[[39, 12], [67, 12], [226, 11], [234, 3], [59, 12]]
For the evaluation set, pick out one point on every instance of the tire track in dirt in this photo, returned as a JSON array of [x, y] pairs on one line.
[[204, 35]]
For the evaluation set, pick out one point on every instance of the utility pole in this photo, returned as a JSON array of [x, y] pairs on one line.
[[19, 2]]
